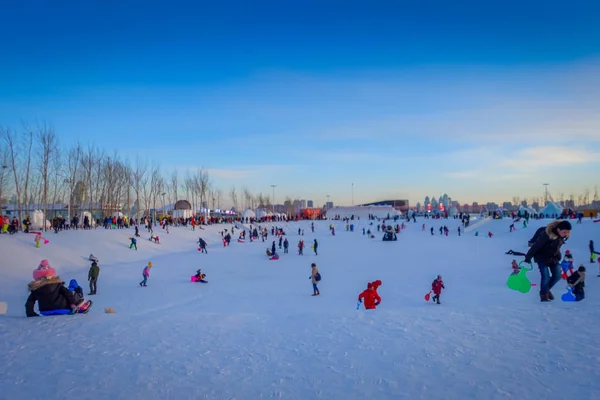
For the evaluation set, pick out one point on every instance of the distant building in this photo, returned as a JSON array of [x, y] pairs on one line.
[[309, 204], [507, 205], [329, 205], [400, 205]]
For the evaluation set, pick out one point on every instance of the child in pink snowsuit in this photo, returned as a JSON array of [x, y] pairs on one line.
[[146, 274]]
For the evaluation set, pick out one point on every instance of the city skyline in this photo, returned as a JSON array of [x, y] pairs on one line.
[[391, 101]]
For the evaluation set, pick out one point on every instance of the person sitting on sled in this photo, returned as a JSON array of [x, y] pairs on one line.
[[77, 291], [200, 276], [577, 282], [567, 264], [515, 267], [48, 290], [154, 238]]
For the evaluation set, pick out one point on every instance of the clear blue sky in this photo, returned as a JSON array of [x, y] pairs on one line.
[[403, 99]]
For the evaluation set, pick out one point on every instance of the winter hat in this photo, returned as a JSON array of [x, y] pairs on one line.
[[568, 252], [150, 263], [581, 269], [73, 285], [44, 269], [564, 225], [370, 286]]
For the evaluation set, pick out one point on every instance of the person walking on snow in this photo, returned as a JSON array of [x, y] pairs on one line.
[[93, 277], [315, 277], [436, 287], [370, 296], [286, 244], [546, 253], [315, 246], [300, 247], [146, 274]]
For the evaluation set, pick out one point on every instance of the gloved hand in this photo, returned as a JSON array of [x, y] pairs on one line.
[[377, 303], [360, 301], [528, 260], [73, 309]]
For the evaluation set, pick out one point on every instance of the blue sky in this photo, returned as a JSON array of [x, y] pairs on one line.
[[483, 102]]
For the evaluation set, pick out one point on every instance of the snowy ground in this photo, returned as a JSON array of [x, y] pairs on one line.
[[255, 332]]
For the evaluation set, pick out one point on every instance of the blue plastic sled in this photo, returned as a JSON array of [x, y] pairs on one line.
[[66, 311], [569, 296]]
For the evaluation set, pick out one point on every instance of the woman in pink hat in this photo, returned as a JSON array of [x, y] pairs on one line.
[[49, 292]]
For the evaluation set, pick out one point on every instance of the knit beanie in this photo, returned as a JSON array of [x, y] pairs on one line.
[[564, 225], [43, 270]]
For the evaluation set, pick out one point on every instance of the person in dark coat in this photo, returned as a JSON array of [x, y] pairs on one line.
[[49, 292], [273, 248], [546, 253], [577, 282], [93, 277], [593, 252], [315, 246], [536, 235]]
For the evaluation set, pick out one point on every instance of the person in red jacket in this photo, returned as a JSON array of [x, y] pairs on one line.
[[371, 297], [436, 287], [376, 285]]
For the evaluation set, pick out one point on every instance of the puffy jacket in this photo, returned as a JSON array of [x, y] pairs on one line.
[[578, 286], [437, 286], [546, 249], [314, 273], [371, 298], [146, 272], [536, 235], [51, 294], [94, 271]]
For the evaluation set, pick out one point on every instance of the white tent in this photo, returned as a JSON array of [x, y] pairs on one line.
[[260, 213], [89, 215], [248, 214], [183, 214], [552, 208], [37, 220]]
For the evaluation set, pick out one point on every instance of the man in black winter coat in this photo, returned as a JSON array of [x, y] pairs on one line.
[[546, 253], [51, 294], [536, 235]]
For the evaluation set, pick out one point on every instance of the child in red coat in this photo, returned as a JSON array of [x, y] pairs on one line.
[[371, 298], [436, 287]]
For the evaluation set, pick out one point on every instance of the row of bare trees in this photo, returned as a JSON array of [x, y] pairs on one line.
[[37, 171]]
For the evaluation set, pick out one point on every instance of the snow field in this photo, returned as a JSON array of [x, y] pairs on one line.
[[255, 332]]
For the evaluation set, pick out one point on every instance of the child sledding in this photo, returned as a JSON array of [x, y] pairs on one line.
[[53, 298], [154, 239], [199, 277]]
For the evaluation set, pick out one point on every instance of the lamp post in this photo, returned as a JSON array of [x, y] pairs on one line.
[[273, 186], [546, 194]]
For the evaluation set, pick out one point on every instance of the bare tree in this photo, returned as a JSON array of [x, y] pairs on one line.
[[73, 164], [218, 196], [175, 185], [46, 137], [27, 168], [156, 187], [139, 179], [9, 138], [586, 196], [203, 183], [596, 193], [234, 198], [248, 198]]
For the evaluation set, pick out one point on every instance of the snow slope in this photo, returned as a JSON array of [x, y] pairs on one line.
[[255, 332]]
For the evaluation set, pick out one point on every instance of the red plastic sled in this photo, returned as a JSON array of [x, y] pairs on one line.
[[428, 296]]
